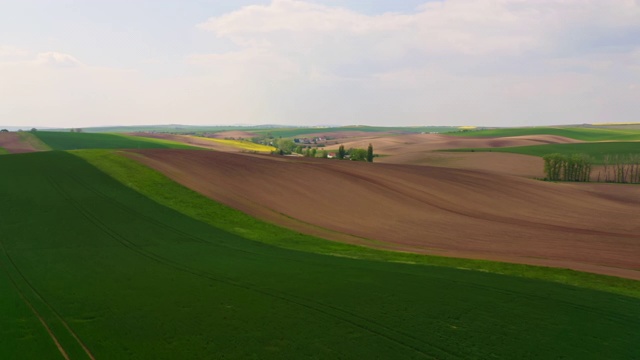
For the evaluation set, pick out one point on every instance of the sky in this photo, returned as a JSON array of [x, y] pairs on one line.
[[67, 63]]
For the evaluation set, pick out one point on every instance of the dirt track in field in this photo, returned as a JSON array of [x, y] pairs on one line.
[[12, 142], [425, 209], [236, 134]]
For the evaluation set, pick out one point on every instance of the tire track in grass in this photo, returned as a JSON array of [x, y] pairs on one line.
[[155, 222], [53, 337], [299, 300], [47, 305], [284, 296], [345, 316], [50, 307]]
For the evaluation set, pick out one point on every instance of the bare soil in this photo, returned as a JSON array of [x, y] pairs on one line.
[[419, 143], [12, 142], [424, 209], [502, 163], [420, 149]]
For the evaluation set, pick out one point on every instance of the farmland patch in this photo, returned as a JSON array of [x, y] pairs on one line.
[[596, 150], [74, 141], [578, 133], [133, 279]]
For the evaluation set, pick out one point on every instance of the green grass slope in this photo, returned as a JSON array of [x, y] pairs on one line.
[[73, 141], [585, 134], [597, 150], [3, 151], [116, 275]]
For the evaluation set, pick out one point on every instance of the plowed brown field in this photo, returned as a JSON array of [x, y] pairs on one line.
[[424, 209], [419, 143], [419, 149], [502, 163]]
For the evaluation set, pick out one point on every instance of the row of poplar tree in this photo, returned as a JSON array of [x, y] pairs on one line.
[[577, 167]]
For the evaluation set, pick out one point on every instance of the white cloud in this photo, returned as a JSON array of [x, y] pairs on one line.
[[468, 27], [476, 62], [52, 58], [455, 61]]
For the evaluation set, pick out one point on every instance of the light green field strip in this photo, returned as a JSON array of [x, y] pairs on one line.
[[33, 140], [166, 192], [3, 151]]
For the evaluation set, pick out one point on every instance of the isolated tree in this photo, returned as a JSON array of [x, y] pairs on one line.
[[341, 152], [286, 145], [314, 152], [370, 153], [4, 130]]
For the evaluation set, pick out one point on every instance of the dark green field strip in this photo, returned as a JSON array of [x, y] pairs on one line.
[[134, 279], [73, 141], [585, 134], [597, 150]]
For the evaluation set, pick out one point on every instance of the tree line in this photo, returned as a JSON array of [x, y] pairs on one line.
[[578, 167], [287, 146], [620, 169], [574, 167], [356, 154]]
